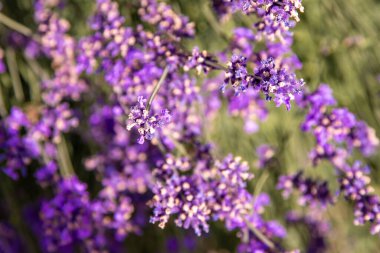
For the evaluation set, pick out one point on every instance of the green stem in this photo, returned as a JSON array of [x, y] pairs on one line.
[[260, 183], [210, 18], [261, 236], [65, 165], [215, 65], [3, 108], [14, 73], [14, 25], [157, 88]]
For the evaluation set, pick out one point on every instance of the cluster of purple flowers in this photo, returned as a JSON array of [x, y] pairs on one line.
[[337, 131], [355, 186], [217, 191], [198, 192], [312, 192], [276, 16], [17, 148], [267, 78], [199, 61], [165, 19], [273, 66], [67, 217], [60, 48]]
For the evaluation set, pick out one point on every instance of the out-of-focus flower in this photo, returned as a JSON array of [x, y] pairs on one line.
[[265, 154], [355, 186], [166, 20], [198, 61], [17, 147], [312, 192], [68, 217], [337, 131]]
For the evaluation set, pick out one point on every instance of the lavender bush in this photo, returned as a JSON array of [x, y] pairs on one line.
[[123, 129]]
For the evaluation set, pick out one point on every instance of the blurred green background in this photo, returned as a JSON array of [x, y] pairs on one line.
[[338, 43]]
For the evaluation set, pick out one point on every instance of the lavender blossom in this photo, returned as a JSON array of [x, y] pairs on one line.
[[53, 123], [312, 192], [222, 8], [198, 61], [217, 193], [114, 213], [276, 18], [68, 217], [267, 79], [265, 154], [179, 194], [17, 149], [250, 107], [335, 129], [60, 47], [355, 187], [237, 74], [146, 123], [166, 20]]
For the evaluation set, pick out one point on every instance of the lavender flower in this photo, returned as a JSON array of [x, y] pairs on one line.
[[355, 187], [237, 74], [267, 79], [166, 20], [197, 61], [335, 129], [47, 174], [275, 17], [17, 149], [68, 217], [60, 47], [53, 123], [114, 213], [280, 82], [243, 42], [222, 8], [146, 123], [265, 154], [109, 40], [250, 107], [31, 48], [179, 194], [312, 192], [120, 163], [218, 192], [228, 196]]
